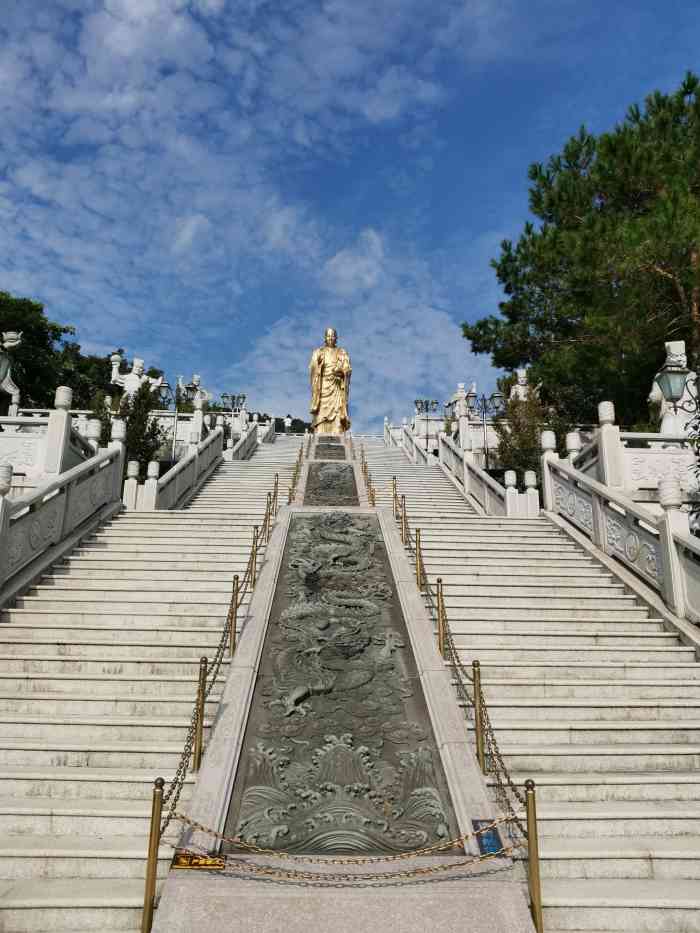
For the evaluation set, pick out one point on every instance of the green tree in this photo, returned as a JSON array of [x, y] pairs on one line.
[[143, 435], [612, 269], [519, 431]]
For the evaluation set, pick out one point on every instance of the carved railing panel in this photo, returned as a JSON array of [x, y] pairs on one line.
[[633, 544]]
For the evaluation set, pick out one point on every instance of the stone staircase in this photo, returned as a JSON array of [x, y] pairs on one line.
[[98, 670], [589, 694]]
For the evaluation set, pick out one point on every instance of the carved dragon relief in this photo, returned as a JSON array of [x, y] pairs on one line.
[[339, 753]]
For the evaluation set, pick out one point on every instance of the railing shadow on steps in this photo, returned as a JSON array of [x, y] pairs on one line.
[[470, 692], [191, 758]]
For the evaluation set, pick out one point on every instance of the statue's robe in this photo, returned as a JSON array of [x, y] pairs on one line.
[[329, 392]]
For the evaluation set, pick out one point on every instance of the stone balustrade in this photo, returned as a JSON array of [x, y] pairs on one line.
[[658, 548], [34, 528]]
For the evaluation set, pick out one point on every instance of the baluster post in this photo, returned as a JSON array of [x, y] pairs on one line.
[[533, 857], [199, 729]]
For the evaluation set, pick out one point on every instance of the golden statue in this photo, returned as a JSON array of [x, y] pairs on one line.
[[330, 372]]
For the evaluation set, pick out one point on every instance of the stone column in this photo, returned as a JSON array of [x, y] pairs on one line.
[[93, 432], [131, 485], [573, 446], [532, 495], [5, 486], [58, 432], [610, 451], [117, 442], [672, 521], [149, 490], [549, 453], [198, 418], [510, 481]]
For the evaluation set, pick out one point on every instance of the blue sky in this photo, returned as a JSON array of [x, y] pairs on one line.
[[210, 183]]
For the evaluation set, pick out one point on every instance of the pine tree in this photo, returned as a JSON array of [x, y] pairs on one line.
[[143, 435], [613, 269]]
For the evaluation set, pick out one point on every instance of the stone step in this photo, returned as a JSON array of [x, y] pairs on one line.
[[60, 906], [212, 606], [618, 689], [82, 817], [481, 610], [567, 654], [70, 582], [106, 562], [73, 704], [110, 620], [605, 758], [116, 664], [639, 786], [596, 732], [621, 906], [619, 818], [160, 630], [468, 637], [501, 561], [643, 857], [101, 684], [76, 857], [158, 575], [136, 648], [66, 783], [574, 711], [622, 670], [528, 627], [98, 728], [193, 536], [539, 573], [458, 591], [502, 598], [41, 753]]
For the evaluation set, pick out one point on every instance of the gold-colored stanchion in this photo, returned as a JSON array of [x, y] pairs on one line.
[[275, 495], [395, 496], [199, 730], [533, 857], [268, 517], [234, 614], [404, 521], [419, 569], [441, 617], [479, 716], [254, 558], [149, 897]]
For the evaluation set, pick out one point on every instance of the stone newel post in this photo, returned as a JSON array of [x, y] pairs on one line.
[[573, 446], [549, 452], [510, 482], [58, 432], [117, 442], [131, 485], [149, 491], [532, 496], [672, 521], [610, 448], [5, 486], [93, 432]]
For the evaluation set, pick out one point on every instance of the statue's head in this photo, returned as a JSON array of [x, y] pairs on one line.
[[675, 353], [330, 337], [522, 376], [138, 366], [196, 379]]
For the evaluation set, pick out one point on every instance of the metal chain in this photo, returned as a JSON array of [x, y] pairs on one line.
[[457, 841], [172, 794], [505, 785]]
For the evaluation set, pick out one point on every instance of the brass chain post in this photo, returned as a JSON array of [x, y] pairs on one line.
[[419, 572], [149, 896], [404, 521], [533, 857], [395, 497], [199, 732], [275, 494], [234, 614], [441, 617], [268, 517], [479, 716], [254, 558]]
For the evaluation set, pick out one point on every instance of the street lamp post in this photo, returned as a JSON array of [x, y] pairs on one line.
[[673, 381], [484, 406], [424, 406]]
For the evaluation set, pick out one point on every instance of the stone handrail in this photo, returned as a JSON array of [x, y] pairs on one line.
[[493, 498], [22, 421], [266, 432], [32, 524], [245, 445], [655, 439], [176, 486], [659, 549], [412, 449]]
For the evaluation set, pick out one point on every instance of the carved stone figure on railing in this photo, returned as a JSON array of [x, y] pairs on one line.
[[522, 390], [132, 382], [9, 340], [675, 415], [193, 391]]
